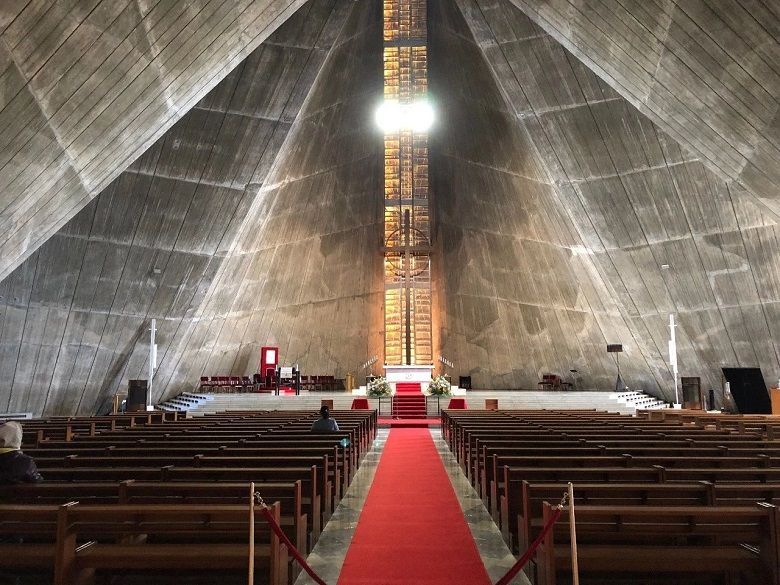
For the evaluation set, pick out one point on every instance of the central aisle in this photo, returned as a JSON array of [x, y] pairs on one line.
[[411, 529]]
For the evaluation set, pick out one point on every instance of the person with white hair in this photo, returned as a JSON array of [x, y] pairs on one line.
[[15, 466]]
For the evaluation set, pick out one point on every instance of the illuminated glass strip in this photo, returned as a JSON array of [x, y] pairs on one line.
[[407, 230]]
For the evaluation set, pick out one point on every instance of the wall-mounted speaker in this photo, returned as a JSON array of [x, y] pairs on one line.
[[614, 348]]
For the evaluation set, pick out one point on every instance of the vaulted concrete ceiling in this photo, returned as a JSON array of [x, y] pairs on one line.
[[707, 72], [86, 86], [256, 218]]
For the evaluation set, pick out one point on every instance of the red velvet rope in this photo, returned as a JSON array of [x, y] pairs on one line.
[[506, 579], [290, 546]]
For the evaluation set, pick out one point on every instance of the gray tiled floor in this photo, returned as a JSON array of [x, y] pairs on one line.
[[328, 555]]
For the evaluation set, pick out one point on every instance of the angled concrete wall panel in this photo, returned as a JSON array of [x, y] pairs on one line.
[[705, 72], [517, 297], [89, 86], [640, 201]]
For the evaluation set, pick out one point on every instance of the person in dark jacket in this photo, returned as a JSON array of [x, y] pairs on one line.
[[15, 466], [324, 423]]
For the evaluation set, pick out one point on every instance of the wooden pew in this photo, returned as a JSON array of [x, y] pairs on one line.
[[165, 539], [523, 521], [294, 513], [309, 477], [678, 543]]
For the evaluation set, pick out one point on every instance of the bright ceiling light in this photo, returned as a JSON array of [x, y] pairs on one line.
[[421, 116], [388, 117], [391, 116]]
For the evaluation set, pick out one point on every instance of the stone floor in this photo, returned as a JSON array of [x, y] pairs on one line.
[[331, 549]]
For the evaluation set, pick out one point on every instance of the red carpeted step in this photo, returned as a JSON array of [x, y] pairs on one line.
[[409, 406], [408, 388], [412, 528]]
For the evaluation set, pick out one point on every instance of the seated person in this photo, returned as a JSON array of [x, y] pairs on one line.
[[324, 423], [15, 466]]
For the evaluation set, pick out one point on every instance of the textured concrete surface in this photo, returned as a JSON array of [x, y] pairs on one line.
[[86, 86], [563, 177], [638, 201], [517, 297], [74, 316], [705, 71], [305, 271]]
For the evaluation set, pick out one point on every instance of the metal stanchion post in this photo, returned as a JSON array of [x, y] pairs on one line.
[[251, 533], [573, 537]]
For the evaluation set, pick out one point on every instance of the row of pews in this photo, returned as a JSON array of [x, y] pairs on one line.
[[669, 496], [157, 497]]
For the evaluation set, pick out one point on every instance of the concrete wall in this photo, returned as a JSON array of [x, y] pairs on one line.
[[305, 273], [86, 86], [638, 200], [706, 72], [517, 298], [74, 316]]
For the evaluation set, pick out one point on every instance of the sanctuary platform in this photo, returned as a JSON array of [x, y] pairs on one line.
[[199, 403]]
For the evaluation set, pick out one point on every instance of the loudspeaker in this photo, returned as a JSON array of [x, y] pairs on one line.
[[464, 382], [137, 395], [614, 348]]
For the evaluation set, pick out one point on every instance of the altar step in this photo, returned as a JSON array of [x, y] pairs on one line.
[[409, 405], [408, 388]]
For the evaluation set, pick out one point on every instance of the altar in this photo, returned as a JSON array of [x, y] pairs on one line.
[[413, 373]]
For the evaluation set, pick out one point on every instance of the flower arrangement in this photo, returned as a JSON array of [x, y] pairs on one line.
[[439, 386], [379, 387]]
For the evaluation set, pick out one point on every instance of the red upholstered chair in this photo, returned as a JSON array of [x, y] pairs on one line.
[[224, 383], [204, 383], [457, 403]]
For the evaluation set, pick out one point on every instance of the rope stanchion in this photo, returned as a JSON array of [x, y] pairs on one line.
[[575, 572], [521, 562], [287, 542], [251, 533]]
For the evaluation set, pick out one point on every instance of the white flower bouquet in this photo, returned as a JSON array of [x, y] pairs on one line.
[[379, 387], [439, 386]]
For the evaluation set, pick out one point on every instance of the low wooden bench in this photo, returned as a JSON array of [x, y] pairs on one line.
[[529, 517], [172, 539], [294, 513], [632, 541], [509, 485], [523, 520], [309, 477]]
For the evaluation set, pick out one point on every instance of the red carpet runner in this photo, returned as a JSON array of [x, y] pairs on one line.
[[411, 529]]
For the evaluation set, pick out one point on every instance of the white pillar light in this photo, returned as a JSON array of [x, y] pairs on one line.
[[152, 362], [673, 359]]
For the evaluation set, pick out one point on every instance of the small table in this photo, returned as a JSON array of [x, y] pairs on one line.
[[457, 403], [360, 404]]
